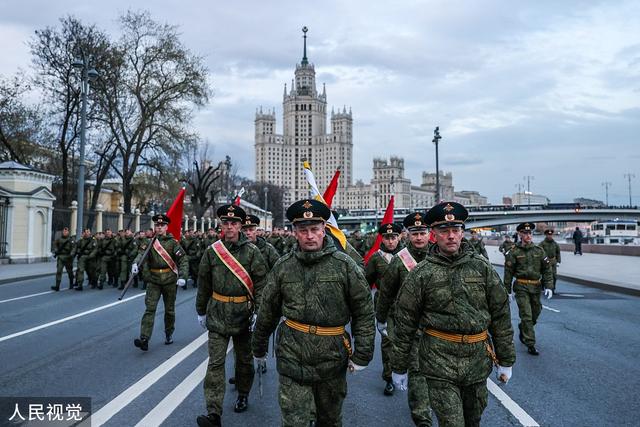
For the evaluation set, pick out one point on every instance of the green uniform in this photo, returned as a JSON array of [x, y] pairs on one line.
[[374, 270], [459, 295], [161, 282], [63, 249], [529, 263], [128, 250], [192, 247], [388, 288], [478, 246], [269, 253], [505, 247], [322, 289], [86, 251], [358, 244], [226, 320], [552, 249], [108, 258]]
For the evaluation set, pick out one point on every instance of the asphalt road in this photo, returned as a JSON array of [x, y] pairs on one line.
[[587, 374]]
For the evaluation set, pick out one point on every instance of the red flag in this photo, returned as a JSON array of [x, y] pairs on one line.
[[388, 217], [331, 189], [239, 194], [175, 215]]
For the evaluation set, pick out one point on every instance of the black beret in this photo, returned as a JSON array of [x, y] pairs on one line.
[[526, 226], [231, 213], [308, 210], [250, 221], [414, 221], [389, 228], [160, 219], [447, 214]]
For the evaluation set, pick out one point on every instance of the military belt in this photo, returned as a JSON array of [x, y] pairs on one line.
[[160, 270], [527, 282], [459, 338], [224, 298], [315, 330]]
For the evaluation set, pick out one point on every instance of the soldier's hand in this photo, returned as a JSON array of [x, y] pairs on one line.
[[401, 381], [252, 322], [503, 374], [353, 367], [548, 293], [511, 297], [203, 321], [134, 268], [182, 283], [382, 328]]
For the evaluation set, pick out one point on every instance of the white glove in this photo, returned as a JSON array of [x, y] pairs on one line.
[[511, 297], [134, 268], [203, 321], [401, 381], [353, 367], [260, 360], [548, 293], [504, 374], [181, 282], [382, 328], [252, 322]]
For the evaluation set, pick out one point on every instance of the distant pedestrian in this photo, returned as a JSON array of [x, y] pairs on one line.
[[577, 241]]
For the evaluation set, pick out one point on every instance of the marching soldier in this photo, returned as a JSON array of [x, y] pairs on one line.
[[86, 251], [318, 289], [232, 276], [63, 249], [108, 251], [506, 246], [250, 229], [374, 270], [165, 266], [128, 249], [456, 297], [357, 241], [401, 264], [191, 245], [477, 244], [529, 265], [552, 249]]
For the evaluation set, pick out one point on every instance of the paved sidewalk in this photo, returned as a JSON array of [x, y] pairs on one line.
[[615, 272], [14, 272]]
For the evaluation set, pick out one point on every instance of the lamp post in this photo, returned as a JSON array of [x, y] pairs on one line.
[[375, 196], [88, 74], [629, 176], [528, 178], [606, 186], [435, 140], [266, 191]]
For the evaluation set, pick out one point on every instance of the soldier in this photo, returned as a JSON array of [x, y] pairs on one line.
[[456, 298], [529, 265], [357, 241], [86, 251], [232, 276], [374, 271], [552, 250], [128, 249], [388, 287], [208, 240], [319, 290], [108, 251], [191, 245], [477, 244], [250, 229], [506, 246], [165, 266], [63, 249]]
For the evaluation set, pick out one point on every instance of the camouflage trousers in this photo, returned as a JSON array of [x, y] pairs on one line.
[[215, 381], [84, 263], [154, 292], [456, 405], [529, 308], [108, 266], [554, 271], [125, 268], [418, 390], [301, 403], [64, 262], [194, 264]]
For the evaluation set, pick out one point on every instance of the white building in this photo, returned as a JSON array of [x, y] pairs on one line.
[[526, 198]]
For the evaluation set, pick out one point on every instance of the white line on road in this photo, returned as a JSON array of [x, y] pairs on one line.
[[571, 295], [30, 296], [105, 413], [550, 309], [511, 406], [66, 319], [169, 404]]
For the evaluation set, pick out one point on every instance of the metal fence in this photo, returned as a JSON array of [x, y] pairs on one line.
[[4, 219]]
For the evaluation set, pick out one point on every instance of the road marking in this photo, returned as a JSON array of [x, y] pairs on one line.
[[66, 319], [550, 309], [511, 406], [572, 295], [165, 408], [105, 413], [32, 295]]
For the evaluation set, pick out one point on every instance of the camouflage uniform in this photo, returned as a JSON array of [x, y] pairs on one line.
[[358, 244], [86, 251], [323, 289], [478, 246], [227, 320], [192, 247], [459, 295], [128, 250], [161, 281], [63, 249], [552, 250], [388, 288], [529, 263], [505, 247], [108, 258], [269, 253]]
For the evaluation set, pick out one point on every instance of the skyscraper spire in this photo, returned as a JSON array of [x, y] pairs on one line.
[[305, 61]]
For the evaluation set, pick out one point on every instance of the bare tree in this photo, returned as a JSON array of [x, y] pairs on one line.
[[205, 183]]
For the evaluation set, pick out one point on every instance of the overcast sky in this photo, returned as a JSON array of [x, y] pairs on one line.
[[543, 88]]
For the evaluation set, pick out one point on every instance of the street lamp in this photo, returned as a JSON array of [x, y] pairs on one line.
[[435, 140], [89, 74], [375, 196], [266, 190]]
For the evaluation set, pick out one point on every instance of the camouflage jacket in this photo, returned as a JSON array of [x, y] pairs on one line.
[[87, 247], [527, 262], [358, 244], [128, 247], [391, 281], [378, 264], [552, 249], [108, 247], [478, 246], [63, 247], [191, 246], [269, 253], [323, 288], [228, 318], [462, 294], [154, 261], [506, 246]]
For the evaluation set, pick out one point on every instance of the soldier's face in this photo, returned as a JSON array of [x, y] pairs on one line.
[[449, 239], [65, 232], [160, 229], [474, 236], [548, 237], [251, 233], [525, 236], [310, 237], [231, 229], [108, 233], [419, 238], [391, 241]]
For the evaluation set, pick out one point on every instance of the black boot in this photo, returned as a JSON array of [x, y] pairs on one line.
[[78, 288], [211, 420], [121, 287], [232, 380], [169, 339], [389, 389], [100, 285], [242, 403], [532, 350], [55, 288], [142, 343]]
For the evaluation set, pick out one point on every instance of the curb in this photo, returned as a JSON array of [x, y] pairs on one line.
[[22, 278], [593, 284]]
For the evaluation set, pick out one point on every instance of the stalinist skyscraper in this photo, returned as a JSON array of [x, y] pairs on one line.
[[279, 157]]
